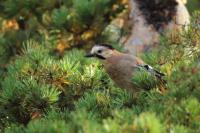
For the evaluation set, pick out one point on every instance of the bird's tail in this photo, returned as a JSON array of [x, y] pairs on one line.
[[160, 76]]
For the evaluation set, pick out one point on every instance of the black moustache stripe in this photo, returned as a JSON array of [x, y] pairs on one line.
[[100, 57]]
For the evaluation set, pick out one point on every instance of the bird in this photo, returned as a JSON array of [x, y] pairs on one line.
[[121, 66]]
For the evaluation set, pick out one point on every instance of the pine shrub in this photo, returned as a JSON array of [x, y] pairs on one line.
[[41, 92]]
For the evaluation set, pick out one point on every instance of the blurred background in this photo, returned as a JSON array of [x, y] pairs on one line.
[[63, 24]]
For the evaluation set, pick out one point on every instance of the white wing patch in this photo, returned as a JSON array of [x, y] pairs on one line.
[[152, 71]]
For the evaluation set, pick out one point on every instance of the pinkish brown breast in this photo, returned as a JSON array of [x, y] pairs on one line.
[[121, 69]]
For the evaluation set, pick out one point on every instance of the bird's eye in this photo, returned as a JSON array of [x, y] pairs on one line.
[[99, 51]]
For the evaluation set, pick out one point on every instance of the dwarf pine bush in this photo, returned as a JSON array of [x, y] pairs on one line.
[[41, 91]]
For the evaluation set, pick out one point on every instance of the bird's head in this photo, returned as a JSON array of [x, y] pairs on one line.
[[101, 51]]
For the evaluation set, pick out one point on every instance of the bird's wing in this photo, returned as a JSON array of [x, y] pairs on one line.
[[151, 70], [135, 62]]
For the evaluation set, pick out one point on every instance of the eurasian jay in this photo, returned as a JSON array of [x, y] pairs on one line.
[[121, 66]]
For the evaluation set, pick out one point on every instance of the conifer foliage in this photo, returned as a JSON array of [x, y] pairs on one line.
[[41, 92]]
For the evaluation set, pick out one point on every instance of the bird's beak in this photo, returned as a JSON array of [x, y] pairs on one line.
[[89, 55]]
